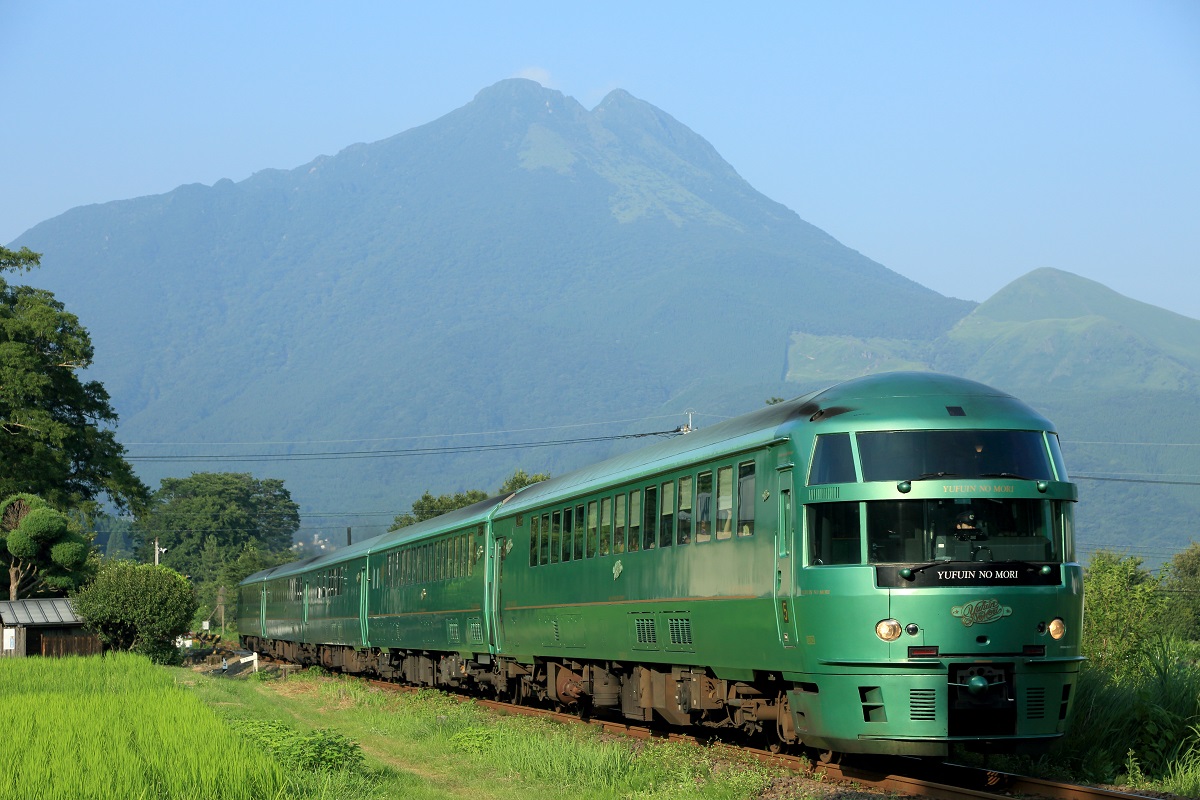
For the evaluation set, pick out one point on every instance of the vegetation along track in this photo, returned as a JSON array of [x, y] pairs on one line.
[[902, 776]]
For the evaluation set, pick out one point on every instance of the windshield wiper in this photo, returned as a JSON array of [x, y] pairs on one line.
[[1004, 475], [927, 475]]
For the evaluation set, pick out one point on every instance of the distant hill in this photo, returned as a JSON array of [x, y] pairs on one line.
[[524, 264]]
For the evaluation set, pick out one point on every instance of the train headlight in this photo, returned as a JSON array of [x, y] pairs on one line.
[[1058, 628], [888, 630]]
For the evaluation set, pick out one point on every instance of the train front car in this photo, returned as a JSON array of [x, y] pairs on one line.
[[938, 601]]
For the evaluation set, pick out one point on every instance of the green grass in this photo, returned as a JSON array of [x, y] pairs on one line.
[[427, 744], [119, 727]]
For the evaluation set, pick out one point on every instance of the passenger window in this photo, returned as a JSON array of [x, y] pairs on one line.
[[746, 498], [545, 538], [605, 526], [579, 532], [555, 537], [592, 525], [568, 540], [724, 502], [834, 534], [684, 518], [704, 487], [635, 520], [619, 529], [649, 518], [666, 517], [534, 534]]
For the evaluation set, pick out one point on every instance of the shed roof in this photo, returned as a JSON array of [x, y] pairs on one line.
[[49, 611]]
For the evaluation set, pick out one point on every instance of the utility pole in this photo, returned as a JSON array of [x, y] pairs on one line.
[[157, 551], [221, 607]]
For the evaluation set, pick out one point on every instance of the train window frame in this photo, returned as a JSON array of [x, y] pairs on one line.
[[606, 509], [666, 514], [834, 460], [684, 505], [747, 494], [704, 507], [534, 540], [650, 517], [620, 510], [592, 541], [567, 533], [826, 556], [635, 521], [580, 531], [725, 491], [556, 537]]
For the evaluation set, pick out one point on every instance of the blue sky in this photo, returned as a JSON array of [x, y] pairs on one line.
[[960, 144]]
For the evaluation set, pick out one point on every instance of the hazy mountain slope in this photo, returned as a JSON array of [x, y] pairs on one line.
[[520, 262]]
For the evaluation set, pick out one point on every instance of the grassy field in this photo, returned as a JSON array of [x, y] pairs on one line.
[[120, 727]]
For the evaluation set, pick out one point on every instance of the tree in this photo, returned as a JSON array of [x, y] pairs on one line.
[[225, 510], [1124, 612], [44, 552], [427, 506], [1181, 580], [53, 439], [520, 479], [138, 607]]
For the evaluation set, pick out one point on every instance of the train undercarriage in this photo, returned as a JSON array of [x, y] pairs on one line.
[[676, 695]]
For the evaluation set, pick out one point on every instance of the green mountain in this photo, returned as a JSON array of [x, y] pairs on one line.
[[529, 266]]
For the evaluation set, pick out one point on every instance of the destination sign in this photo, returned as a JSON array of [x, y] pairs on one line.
[[966, 573]]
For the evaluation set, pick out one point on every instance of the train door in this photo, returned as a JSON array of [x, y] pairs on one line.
[[363, 590], [785, 541], [495, 597]]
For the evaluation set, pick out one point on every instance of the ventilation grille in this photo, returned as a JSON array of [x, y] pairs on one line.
[[922, 704], [681, 630], [1035, 702], [645, 631], [556, 631], [452, 630], [825, 493], [476, 628]]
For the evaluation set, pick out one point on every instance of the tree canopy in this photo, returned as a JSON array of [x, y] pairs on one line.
[[43, 550], [427, 506], [56, 442], [138, 607], [209, 518]]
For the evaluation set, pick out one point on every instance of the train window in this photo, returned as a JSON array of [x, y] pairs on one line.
[[649, 518], [635, 520], [580, 530], [545, 545], [456, 550], [556, 548], [746, 497], [568, 533], [470, 539], [834, 534], [551, 534], [979, 529], [534, 534], [912, 455], [684, 518], [1060, 466], [704, 487], [593, 523], [666, 516], [605, 526], [1064, 528], [832, 460], [619, 525], [439, 560], [724, 502]]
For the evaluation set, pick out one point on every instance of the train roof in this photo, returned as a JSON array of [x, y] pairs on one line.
[[890, 400]]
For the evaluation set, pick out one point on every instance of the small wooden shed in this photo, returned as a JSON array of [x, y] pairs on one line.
[[43, 627]]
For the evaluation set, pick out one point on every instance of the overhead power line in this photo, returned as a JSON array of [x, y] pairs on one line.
[[404, 453]]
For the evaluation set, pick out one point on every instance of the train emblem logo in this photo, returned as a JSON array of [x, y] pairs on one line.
[[978, 612]]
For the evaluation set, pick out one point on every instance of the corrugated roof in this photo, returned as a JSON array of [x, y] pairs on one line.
[[52, 611]]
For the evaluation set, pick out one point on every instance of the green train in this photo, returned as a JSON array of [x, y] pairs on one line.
[[884, 566]]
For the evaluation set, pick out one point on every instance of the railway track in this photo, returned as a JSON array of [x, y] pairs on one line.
[[901, 776]]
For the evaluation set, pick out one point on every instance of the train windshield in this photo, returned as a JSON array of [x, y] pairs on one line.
[[916, 455], [915, 531]]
